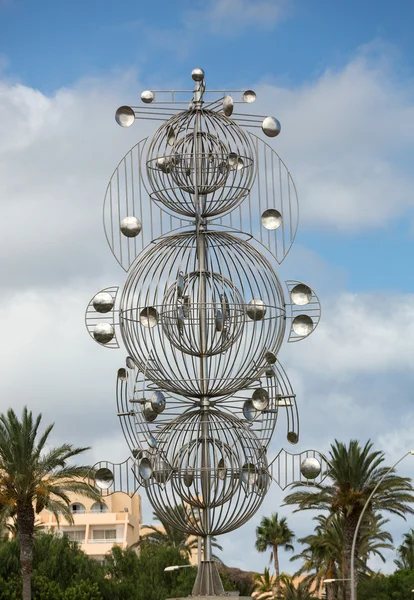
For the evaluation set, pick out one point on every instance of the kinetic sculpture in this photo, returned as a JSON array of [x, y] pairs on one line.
[[203, 315]]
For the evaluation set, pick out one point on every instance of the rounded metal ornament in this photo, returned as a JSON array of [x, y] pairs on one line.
[[131, 227], [302, 325], [260, 399], [292, 437], [271, 127], [256, 310], [249, 410], [228, 106], [301, 294], [104, 478], [103, 302], [122, 374], [158, 402], [271, 219], [130, 362], [103, 333], [249, 96], [310, 468], [197, 74], [125, 116], [270, 357], [149, 413], [148, 317], [147, 96], [145, 468]]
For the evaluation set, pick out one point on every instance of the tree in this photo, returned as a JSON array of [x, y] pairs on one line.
[[405, 552], [264, 587], [355, 471], [270, 534], [171, 536], [33, 478], [290, 591]]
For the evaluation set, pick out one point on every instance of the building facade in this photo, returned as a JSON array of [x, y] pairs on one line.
[[98, 526]]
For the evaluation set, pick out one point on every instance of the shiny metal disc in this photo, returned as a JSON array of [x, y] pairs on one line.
[[271, 219], [292, 437], [145, 468], [122, 374], [310, 468], [147, 96], [148, 317], [104, 478], [170, 136], [249, 96], [188, 477], [271, 126], [157, 402], [103, 333], [228, 106], [103, 302], [131, 227], [180, 285], [302, 325], [130, 362], [219, 320], [162, 471], [270, 372], [221, 472], [256, 309], [149, 413], [270, 357], [125, 116], [197, 74], [249, 411], [301, 294], [260, 399], [249, 474]]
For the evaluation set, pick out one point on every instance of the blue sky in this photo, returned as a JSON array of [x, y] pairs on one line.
[[339, 76]]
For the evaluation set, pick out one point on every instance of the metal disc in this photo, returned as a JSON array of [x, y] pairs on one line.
[[221, 469], [158, 402], [249, 96], [162, 471], [131, 227], [271, 126], [292, 437], [271, 219], [103, 333], [249, 411], [249, 473], [260, 399], [149, 413], [256, 310], [122, 374], [125, 116], [130, 362], [152, 442], [145, 468], [270, 372], [302, 325], [310, 468], [148, 317], [219, 320], [180, 285], [147, 96], [188, 477], [301, 294], [228, 106], [103, 302], [270, 357], [104, 478], [170, 136], [197, 74]]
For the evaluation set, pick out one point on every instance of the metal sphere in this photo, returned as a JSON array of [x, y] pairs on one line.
[[104, 478], [147, 97], [197, 74], [302, 325], [125, 116], [103, 333], [310, 468], [235, 479], [271, 127], [301, 294], [160, 312], [131, 227], [103, 302], [271, 219], [205, 173]]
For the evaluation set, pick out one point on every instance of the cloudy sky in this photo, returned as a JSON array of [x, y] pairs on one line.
[[340, 78]]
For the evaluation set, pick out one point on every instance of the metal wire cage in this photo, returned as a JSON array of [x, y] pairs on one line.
[[200, 162]]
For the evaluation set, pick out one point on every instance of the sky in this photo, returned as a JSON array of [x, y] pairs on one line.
[[340, 78]]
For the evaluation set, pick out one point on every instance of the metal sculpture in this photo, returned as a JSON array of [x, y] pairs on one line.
[[199, 216]]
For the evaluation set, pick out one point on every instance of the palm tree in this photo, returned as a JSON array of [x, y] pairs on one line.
[[33, 478], [272, 533], [405, 552], [355, 471], [264, 586], [290, 591], [171, 536]]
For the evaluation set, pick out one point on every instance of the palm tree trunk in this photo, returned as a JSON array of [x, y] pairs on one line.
[[25, 527], [350, 524], [276, 562]]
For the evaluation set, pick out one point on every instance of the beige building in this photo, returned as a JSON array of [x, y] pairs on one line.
[[99, 525]]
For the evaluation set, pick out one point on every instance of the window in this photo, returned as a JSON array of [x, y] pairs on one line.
[[75, 535], [77, 508], [104, 534], [99, 507]]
